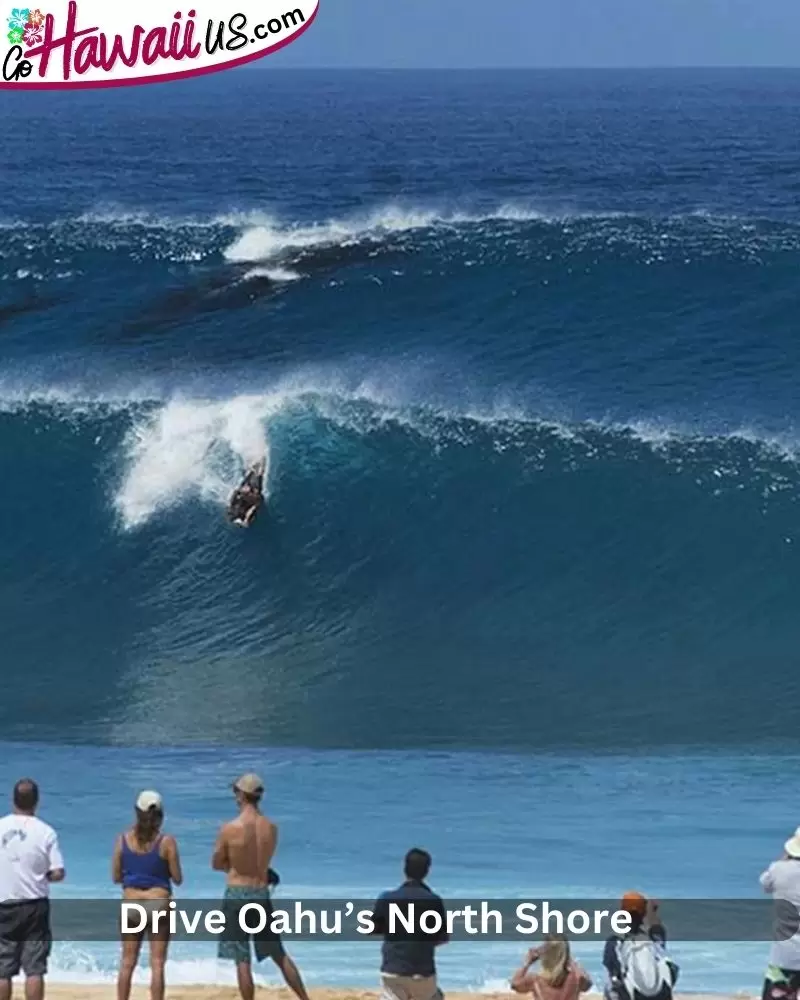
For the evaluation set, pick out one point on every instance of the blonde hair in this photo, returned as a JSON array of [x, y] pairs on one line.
[[555, 960]]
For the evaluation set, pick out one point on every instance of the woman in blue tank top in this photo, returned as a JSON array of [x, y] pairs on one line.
[[146, 864]]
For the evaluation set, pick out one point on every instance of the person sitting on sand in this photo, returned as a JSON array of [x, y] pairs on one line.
[[146, 864], [782, 881], [558, 977], [244, 849], [637, 963]]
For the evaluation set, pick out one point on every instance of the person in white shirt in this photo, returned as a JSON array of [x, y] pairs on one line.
[[782, 881], [30, 861]]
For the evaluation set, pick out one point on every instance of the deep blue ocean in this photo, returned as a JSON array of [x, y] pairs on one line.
[[521, 349]]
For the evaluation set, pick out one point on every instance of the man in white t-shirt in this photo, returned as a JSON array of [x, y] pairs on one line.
[[30, 861]]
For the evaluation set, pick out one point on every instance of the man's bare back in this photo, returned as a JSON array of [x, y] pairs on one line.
[[247, 845], [244, 850]]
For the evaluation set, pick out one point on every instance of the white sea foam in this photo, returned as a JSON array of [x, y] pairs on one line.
[[266, 238], [280, 274], [96, 964], [191, 447]]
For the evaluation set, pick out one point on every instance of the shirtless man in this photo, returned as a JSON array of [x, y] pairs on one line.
[[244, 850]]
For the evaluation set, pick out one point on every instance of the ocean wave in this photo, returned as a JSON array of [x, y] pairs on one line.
[[289, 246], [191, 447], [177, 446], [265, 239]]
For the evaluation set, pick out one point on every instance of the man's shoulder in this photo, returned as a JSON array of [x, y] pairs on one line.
[[44, 830], [237, 824], [31, 824], [783, 874], [409, 891]]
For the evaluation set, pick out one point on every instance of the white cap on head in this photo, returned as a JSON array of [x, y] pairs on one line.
[[149, 800]]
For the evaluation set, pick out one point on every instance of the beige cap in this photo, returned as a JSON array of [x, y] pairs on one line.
[[250, 784], [149, 800]]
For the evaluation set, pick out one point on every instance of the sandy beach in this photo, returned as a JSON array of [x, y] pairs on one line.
[[108, 992]]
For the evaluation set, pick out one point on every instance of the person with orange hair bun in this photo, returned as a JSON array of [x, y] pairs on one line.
[[637, 963]]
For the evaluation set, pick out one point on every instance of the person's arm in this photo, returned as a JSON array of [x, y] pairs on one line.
[[250, 515], [116, 862], [56, 871], [442, 937], [173, 859], [655, 928], [380, 922], [584, 979], [219, 859], [767, 879], [522, 981], [611, 959]]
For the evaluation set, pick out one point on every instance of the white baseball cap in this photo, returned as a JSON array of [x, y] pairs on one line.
[[149, 800]]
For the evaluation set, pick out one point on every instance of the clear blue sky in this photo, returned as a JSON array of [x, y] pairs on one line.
[[474, 33]]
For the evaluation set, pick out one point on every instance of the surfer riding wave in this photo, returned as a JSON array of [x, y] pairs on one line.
[[247, 498]]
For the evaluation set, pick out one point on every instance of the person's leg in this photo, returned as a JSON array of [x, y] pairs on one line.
[[290, 973], [777, 984], [234, 946], [131, 945], [158, 960], [34, 988], [244, 977], [10, 965], [35, 954], [425, 988], [393, 988]]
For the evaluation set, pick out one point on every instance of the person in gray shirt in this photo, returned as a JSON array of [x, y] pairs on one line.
[[782, 881]]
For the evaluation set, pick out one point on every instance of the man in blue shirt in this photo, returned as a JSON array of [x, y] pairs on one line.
[[408, 969]]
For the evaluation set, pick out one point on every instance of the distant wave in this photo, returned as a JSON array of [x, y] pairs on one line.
[[56, 249], [266, 238]]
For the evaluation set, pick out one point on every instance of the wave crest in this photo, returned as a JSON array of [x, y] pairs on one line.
[[190, 448]]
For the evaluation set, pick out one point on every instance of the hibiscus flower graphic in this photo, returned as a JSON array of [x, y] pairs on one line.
[[35, 18], [33, 34], [19, 18], [15, 36]]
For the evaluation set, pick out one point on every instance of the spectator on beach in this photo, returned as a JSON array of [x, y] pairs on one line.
[[782, 881], [146, 863], [408, 968], [637, 963], [30, 861], [559, 977], [244, 849]]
